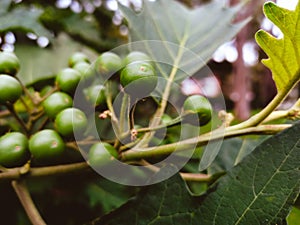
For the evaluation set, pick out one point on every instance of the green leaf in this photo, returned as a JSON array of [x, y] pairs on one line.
[[45, 63], [180, 37], [294, 217], [284, 53], [259, 190], [23, 19], [106, 194], [4, 5], [262, 188], [164, 203]]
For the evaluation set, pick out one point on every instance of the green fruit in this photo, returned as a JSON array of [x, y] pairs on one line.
[[10, 89], [13, 150], [77, 57], [139, 79], [68, 79], [108, 63], [46, 145], [9, 63], [57, 102], [95, 94], [82, 67], [197, 110], [70, 121], [136, 56], [101, 154]]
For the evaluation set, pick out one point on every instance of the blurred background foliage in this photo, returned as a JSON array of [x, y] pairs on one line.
[[44, 34]]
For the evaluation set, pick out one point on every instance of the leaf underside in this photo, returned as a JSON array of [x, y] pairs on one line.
[[180, 37], [284, 53], [259, 190]]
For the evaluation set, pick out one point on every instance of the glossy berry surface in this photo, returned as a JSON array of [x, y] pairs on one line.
[[108, 63], [139, 78], [136, 56], [197, 110], [101, 154], [10, 89], [70, 121], [68, 79], [56, 102], [13, 149], [46, 145], [96, 94], [77, 57], [9, 63]]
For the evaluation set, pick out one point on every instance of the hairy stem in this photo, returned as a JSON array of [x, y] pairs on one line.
[[27, 202]]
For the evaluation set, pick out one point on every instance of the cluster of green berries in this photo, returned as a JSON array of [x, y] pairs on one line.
[[137, 75]]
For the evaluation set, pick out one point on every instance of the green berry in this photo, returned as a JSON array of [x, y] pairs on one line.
[[14, 149], [136, 56], [46, 145], [95, 94], [68, 79], [10, 89], [197, 110], [77, 57], [139, 79], [56, 102], [9, 63], [108, 63], [70, 121], [101, 154]]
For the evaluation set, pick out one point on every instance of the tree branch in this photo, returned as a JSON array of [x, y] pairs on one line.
[[15, 173], [140, 153], [27, 202]]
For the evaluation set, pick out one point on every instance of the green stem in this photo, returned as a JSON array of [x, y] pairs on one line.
[[165, 97], [164, 150], [124, 113], [109, 103], [27, 202], [263, 114], [11, 109]]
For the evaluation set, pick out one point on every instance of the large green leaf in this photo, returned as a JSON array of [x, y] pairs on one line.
[[284, 53], [164, 203], [45, 63], [259, 190], [183, 38], [23, 19], [262, 188]]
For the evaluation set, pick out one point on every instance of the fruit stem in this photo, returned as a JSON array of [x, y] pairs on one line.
[[33, 100], [114, 119], [11, 109], [27, 202], [165, 97], [124, 113]]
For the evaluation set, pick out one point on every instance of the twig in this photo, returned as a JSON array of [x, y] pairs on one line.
[[15, 173], [11, 109], [27, 202]]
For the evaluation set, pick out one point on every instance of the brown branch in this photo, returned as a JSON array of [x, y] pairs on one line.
[[15, 173], [27, 202]]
